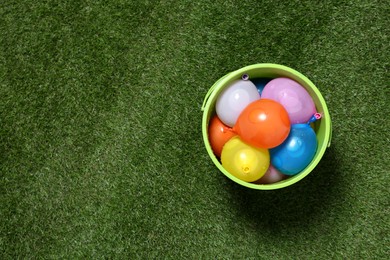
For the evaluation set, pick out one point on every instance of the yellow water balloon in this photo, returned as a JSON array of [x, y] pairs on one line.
[[243, 161]]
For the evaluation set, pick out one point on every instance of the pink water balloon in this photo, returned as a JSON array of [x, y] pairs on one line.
[[271, 176], [295, 99]]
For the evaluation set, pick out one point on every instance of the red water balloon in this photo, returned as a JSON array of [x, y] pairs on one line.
[[219, 134]]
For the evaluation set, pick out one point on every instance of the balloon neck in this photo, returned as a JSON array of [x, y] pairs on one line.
[[245, 77], [315, 117], [226, 129], [229, 129]]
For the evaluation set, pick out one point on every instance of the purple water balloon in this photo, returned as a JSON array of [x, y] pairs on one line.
[[295, 99]]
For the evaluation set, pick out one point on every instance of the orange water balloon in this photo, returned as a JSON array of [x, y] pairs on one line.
[[263, 123]]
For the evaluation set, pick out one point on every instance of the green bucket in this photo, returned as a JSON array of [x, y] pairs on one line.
[[322, 127]]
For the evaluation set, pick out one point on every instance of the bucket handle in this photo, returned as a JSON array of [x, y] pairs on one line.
[[330, 135], [207, 96]]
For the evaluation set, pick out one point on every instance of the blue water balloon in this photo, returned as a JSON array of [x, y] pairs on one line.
[[260, 83], [296, 152]]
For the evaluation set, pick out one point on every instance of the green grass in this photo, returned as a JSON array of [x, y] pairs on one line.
[[101, 152]]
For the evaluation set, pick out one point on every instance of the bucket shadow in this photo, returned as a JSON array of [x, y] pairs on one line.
[[298, 206]]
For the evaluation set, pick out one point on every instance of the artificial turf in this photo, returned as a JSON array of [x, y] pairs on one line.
[[101, 152]]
